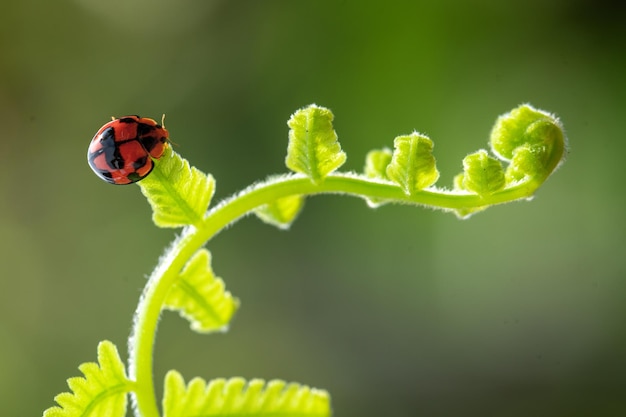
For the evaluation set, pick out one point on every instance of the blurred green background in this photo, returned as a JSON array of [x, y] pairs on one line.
[[400, 311]]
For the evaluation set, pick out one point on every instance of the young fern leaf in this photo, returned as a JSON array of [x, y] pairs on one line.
[[376, 163], [534, 144], [459, 185], [178, 193], [313, 148], [482, 174], [533, 140], [412, 164], [200, 297], [282, 212], [235, 397], [102, 392], [526, 162]]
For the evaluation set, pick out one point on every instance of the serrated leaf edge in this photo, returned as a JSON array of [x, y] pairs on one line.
[[207, 294], [221, 397], [407, 167], [87, 391], [308, 155], [173, 178]]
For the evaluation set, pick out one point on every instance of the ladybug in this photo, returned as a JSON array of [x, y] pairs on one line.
[[122, 150]]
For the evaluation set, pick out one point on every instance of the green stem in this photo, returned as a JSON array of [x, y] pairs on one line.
[[142, 339]]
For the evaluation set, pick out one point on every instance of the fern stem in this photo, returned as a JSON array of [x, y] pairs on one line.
[[142, 339], [143, 335]]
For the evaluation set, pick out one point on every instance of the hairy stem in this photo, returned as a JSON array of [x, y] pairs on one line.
[[142, 339]]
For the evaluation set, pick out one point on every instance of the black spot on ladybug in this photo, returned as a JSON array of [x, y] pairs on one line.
[[107, 137], [112, 154], [140, 162], [127, 120], [113, 157], [149, 142], [134, 177], [144, 129]]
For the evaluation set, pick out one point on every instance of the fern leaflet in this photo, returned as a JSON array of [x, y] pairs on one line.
[[178, 193], [313, 148], [100, 393], [235, 396], [200, 296]]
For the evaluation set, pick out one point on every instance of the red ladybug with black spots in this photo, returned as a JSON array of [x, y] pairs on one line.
[[122, 151]]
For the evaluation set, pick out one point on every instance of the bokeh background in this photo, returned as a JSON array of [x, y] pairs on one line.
[[400, 311]]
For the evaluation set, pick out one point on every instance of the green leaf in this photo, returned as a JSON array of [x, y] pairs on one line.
[[539, 132], [235, 397], [464, 213], [179, 194], [282, 212], [376, 163], [200, 297], [313, 148], [483, 174], [527, 161], [102, 392], [412, 163]]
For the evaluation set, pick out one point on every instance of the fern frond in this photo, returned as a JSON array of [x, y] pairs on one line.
[[376, 162], [482, 174], [412, 164], [282, 212], [100, 393], [235, 396], [178, 193], [313, 148], [200, 296]]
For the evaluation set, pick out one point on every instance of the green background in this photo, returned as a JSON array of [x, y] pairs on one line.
[[399, 311]]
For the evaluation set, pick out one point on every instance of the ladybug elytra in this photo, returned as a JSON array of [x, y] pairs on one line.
[[122, 150]]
